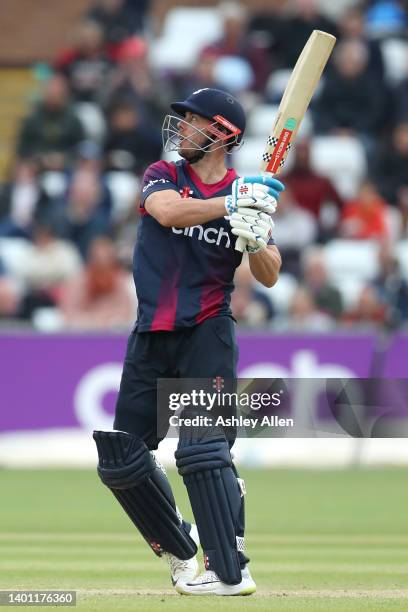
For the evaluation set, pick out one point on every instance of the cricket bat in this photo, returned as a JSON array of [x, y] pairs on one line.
[[294, 104]]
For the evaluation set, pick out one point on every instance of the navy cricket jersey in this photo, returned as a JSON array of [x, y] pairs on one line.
[[183, 275]]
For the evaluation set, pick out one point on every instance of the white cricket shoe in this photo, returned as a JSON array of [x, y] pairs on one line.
[[208, 583], [183, 569]]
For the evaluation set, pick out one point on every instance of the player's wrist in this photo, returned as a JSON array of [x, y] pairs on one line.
[[230, 204], [255, 249]]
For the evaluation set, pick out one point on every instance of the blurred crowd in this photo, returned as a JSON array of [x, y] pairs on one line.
[[69, 208]]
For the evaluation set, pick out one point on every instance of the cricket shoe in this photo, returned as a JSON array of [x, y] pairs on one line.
[[208, 583], [183, 569]]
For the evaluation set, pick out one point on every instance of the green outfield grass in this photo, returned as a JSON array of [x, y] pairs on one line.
[[318, 540]]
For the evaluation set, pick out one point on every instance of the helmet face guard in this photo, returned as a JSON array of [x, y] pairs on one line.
[[216, 138]]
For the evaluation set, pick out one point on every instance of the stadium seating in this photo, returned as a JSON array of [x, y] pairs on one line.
[[196, 27], [92, 120], [14, 253], [124, 187], [54, 183], [261, 119], [247, 159], [351, 264], [342, 159], [170, 156], [277, 82], [395, 57], [282, 293], [350, 289], [394, 222], [401, 251], [351, 259]]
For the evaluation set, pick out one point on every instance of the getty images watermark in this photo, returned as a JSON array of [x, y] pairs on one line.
[[220, 403], [301, 408], [214, 401]]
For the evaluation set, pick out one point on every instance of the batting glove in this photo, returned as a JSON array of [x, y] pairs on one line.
[[252, 227], [259, 192]]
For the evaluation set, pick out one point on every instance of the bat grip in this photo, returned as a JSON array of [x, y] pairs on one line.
[[240, 244]]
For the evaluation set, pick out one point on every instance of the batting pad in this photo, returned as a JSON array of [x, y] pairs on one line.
[[206, 466], [129, 470]]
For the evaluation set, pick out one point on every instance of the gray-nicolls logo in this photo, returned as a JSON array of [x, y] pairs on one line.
[[218, 383]]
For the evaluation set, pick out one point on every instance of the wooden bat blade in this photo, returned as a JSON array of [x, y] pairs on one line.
[[296, 99], [294, 103]]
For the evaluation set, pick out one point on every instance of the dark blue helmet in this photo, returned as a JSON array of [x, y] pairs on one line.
[[218, 105]]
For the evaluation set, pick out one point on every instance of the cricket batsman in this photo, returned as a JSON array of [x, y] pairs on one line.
[[192, 213]]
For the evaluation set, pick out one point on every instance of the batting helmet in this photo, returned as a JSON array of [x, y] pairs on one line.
[[220, 106]]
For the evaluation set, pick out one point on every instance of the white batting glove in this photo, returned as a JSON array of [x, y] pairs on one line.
[[252, 227], [250, 194]]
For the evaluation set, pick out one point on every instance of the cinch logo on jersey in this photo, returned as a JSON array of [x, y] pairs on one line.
[[153, 182], [211, 235]]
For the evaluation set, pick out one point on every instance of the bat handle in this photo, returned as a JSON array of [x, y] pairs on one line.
[[240, 244]]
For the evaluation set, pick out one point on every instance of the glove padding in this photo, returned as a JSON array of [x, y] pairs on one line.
[[253, 226], [260, 192]]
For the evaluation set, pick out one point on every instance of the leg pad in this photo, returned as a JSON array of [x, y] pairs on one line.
[[208, 473], [128, 469]]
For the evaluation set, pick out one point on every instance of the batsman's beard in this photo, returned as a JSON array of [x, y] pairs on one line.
[[194, 156]]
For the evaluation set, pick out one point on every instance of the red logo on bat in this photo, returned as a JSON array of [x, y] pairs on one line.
[[279, 151]]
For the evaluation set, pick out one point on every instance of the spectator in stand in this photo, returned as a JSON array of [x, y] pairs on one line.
[[10, 296], [119, 20], [131, 143], [365, 217], [251, 307], [401, 101], [89, 158], [392, 287], [303, 315], [21, 199], [101, 296], [266, 27], [50, 262], [390, 170], [351, 101], [296, 29], [402, 203], [313, 192], [235, 42], [295, 229], [84, 212], [134, 81], [202, 75], [370, 312], [327, 297], [386, 18], [138, 12], [51, 132], [352, 27], [85, 65]]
